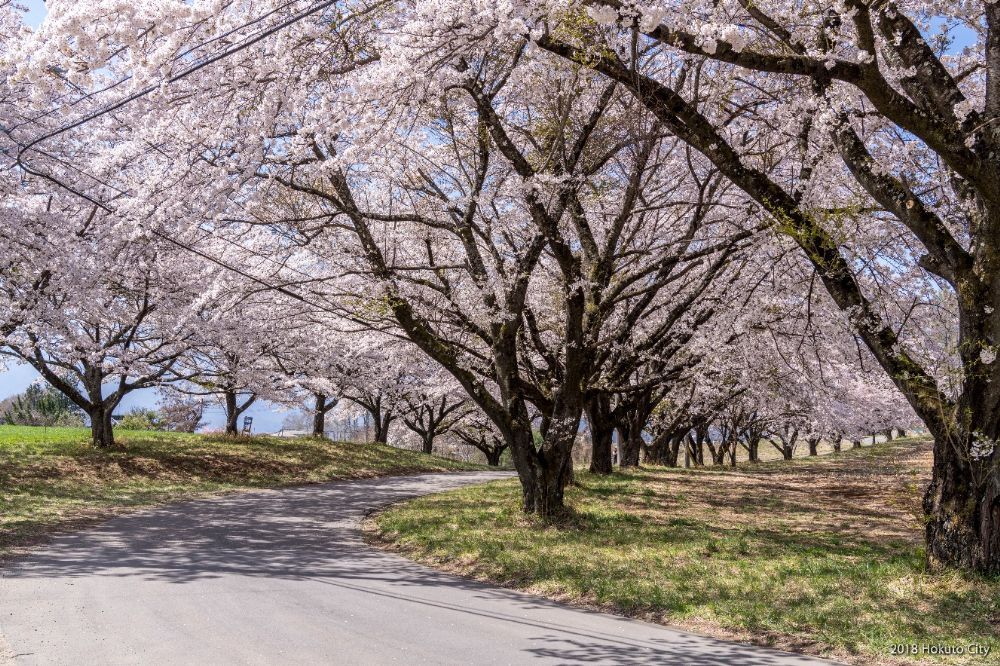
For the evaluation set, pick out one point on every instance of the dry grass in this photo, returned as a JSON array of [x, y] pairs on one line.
[[819, 555]]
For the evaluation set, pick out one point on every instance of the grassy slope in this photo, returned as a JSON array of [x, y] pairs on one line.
[[818, 555], [51, 478]]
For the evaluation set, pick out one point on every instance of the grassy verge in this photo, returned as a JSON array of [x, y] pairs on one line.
[[822, 556], [51, 478]]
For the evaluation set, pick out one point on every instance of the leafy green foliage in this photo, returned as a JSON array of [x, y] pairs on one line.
[[141, 418], [41, 405]]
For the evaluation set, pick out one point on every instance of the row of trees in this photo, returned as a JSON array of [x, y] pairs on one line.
[[641, 219]]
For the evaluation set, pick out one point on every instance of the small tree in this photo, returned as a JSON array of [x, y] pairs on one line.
[[42, 405]]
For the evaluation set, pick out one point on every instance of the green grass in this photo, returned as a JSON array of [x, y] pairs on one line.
[[52, 478], [818, 555]]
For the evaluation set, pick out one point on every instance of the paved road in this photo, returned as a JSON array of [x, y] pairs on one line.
[[284, 577]]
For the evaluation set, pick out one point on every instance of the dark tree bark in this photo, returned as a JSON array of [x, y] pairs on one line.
[[635, 417], [787, 439], [430, 418], [234, 409], [601, 434], [101, 432], [813, 443], [855, 443], [321, 406], [961, 501], [696, 446]]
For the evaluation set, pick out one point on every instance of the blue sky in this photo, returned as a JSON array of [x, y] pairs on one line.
[[36, 11]]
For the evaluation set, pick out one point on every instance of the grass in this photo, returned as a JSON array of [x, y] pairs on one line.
[[816, 555], [53, 479]]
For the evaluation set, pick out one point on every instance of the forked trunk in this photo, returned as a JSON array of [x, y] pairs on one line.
[[492, 456], [319, 416], [601, 435], [101, 431], [630, 439], [698, 451], [673, 449]]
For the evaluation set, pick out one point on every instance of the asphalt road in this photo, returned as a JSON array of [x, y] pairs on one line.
[[284, 577]]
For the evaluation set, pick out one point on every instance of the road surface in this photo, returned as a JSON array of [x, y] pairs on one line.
[[284, 577]]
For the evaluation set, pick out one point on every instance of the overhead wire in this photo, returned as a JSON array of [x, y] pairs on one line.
[[201, 63]]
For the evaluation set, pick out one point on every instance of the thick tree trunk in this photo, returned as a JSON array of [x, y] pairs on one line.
[[837, 440], [753, 450], [630, 445], [427, 444], [101, 431], [962, 505], [673, 450], [492, 456], [855, 443], [545, 470], [900, 432], [319, 416], [232, 414], [813, 443], [888, 434], [382, 428], [601, 435]]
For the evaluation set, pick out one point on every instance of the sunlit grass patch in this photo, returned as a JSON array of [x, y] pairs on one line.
[[823, 555]]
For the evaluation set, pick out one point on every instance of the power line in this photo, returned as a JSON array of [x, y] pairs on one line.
[[246, 42]]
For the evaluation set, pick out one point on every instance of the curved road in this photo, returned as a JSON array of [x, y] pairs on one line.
[[284, 577]]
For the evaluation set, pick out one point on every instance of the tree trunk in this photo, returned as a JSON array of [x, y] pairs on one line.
[[697, 446], [837, 442], [718, 453], [900, 432], [673, 450], [493, 456], [382, 427], [101, 431], [427, 443], [319, 416], [753, 449], [601, 435], [888, 434], [813, 446], [629, 445], [962, 505], [232, 414], [544, 470], [855, 443]]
